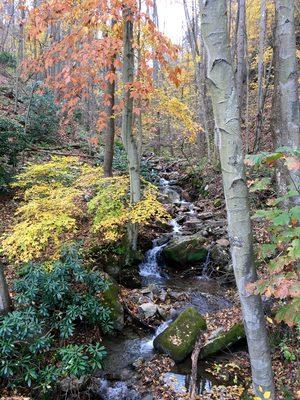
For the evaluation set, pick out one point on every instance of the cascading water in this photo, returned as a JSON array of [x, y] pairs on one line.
[[147, 344], [150, 267]]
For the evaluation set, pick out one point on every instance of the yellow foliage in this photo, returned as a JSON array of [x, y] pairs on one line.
[[112, 211], [54, 199], [181, 114]]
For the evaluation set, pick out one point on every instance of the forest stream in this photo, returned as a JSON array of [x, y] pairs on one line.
[[125, 352]]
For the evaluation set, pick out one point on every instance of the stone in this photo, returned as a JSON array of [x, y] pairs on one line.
[[185, 250], [179, 338], [176, 382], [223, 242], [111, 300], [219, 255], [222, 340], [148, 309], [73, 384], [130, 277]]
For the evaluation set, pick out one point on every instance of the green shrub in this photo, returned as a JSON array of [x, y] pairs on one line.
[[51, 300], [12, 142], [43, 120], [7, 59]]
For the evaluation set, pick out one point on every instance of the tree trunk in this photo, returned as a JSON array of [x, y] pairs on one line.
[[110, 129], [286, 100], [260, 74], [226, 113], [204, 101], [20, 54], [128, 137], [241, 47], [4, 295]]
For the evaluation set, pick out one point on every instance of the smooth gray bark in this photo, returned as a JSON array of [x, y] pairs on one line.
[[4, 295], [226, 113], [286, 98], [204, 101], [260, 73], [241, 53], [128, 137]]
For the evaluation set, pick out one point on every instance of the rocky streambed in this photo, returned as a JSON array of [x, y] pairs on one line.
[[183, 295]]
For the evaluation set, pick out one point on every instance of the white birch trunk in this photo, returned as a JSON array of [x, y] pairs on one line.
[[226, 113]]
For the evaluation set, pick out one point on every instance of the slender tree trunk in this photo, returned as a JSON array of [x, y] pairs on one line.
[[204, 103], [260, 73], [4, 295], [110, 129], [241, 47], [128, 137], [20, 55], [286, 99], [225, 106]]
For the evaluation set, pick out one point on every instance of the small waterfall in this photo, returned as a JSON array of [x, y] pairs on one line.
[[176, 227], [147, 345], [150, 267]]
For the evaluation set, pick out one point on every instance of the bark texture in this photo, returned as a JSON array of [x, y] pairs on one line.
[[286, 98], [241, 53], [128, 137], [110, 129], [226, 113], [4, 295], [260, 73]]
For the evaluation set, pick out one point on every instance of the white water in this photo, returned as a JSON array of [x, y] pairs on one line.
[[149, 267], [147, 344]]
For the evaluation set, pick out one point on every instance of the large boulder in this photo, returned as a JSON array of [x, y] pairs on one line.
[[111, 300], [179, 338], [185, 250], [222, 340]]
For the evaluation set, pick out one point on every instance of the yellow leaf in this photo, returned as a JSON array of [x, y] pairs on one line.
[[267, 395], [270, 320]]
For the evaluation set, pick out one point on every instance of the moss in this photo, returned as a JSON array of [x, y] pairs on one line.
[[179, 338], [224, 340], [111, 300], [186, 250]]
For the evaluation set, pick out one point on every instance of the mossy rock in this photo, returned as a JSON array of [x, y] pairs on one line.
[[223, 341], [179, 338], [184, 251], [111, 300]]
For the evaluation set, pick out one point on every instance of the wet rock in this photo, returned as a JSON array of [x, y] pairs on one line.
[[223, 242], [186, 196], [163, 295], [117, 391], [72, 384], [220, 340], [113, 270], [175, 382], [111, 300], [130, 277], [179, 338], [184, 251], [148, 309], [163, 312], [162, 240], [219, 255]]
